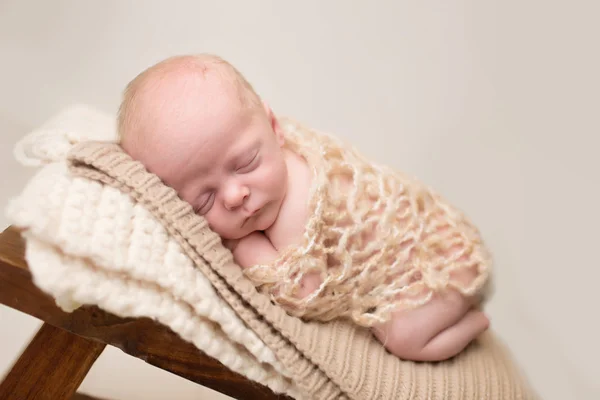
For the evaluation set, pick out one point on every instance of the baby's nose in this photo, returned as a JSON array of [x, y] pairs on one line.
[[236, 195]]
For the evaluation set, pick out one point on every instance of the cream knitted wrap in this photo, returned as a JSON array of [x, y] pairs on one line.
[[380, 240]]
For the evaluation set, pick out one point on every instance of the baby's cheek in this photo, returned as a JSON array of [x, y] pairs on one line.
[[215, 223], [267, 177]]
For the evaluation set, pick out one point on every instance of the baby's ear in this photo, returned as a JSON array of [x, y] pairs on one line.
[[274, 124]]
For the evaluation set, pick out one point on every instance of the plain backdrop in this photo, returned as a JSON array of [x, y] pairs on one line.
[[494, 103]]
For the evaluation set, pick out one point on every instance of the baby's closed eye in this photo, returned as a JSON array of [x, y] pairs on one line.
[[204, 203], [249, 163]]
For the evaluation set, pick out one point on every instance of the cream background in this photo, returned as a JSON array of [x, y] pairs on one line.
[[495, 103]]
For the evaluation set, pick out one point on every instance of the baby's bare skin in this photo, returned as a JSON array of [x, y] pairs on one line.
[[433, 332], [190, 122]]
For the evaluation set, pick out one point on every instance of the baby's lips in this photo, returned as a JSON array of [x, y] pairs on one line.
[[256, 211]]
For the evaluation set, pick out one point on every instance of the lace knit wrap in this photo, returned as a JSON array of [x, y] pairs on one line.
[[380, 240]]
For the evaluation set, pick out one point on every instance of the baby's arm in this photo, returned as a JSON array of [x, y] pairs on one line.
[[256, 248]]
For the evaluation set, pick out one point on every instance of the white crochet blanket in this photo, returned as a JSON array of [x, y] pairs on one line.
[[80, 247]]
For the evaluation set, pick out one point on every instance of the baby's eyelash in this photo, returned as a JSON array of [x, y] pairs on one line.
[[198, 208], [249, 162]]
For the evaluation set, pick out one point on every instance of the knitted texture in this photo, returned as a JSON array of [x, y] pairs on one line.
[[166, 264], [50, 142], [87, 243], [380, 240], [337, 360]]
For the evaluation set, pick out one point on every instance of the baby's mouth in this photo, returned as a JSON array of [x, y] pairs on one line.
[[257, 211], [252, 215]]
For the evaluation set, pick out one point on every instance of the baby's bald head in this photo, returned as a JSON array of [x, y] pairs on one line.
[[196, 123], [161, 100]]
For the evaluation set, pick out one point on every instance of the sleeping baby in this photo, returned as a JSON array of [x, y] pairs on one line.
[[323, 231]]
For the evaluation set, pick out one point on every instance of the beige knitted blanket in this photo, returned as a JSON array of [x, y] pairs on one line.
[[380, 240], [108, 233]]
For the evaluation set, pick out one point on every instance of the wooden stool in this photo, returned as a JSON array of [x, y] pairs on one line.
[[64, 349]]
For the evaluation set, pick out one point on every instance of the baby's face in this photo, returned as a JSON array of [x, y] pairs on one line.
[[229, 166], [240, 180]]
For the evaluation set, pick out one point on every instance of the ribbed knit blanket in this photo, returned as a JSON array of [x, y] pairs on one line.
[[101, 230]]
